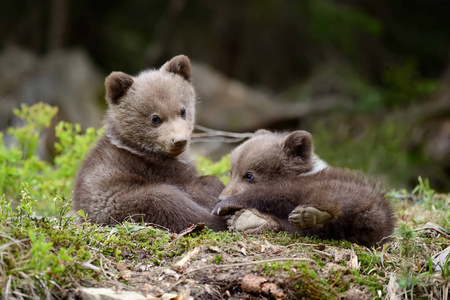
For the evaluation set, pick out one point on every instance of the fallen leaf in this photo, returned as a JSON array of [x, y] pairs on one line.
[[440, 258]]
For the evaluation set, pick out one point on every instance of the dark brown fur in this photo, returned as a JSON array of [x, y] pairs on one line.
[[278, 163], [140, 169]]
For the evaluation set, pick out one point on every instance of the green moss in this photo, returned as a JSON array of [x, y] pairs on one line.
[[217, 259], [38, 253], [373, 282]]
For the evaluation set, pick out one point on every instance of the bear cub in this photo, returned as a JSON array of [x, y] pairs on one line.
[[140, 169], [278, 183]]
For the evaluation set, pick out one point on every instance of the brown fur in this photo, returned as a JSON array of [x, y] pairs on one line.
[[279, 164], [139, 168]]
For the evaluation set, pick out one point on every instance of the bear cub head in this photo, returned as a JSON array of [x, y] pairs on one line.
[[271, 158], [153, 111]]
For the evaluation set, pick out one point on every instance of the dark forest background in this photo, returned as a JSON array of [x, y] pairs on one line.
[[369, 79]]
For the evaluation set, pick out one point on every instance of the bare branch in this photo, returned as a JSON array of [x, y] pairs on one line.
[[211, 135], [251, 263]]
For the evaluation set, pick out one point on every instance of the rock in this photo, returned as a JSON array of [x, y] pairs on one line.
[[65, 78], [332, 268], [228, 104], [108, 294], [252, 284], [259, 285], [355, 294]]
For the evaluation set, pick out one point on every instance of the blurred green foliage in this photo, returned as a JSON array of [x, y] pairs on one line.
[[405, 86], [378, 148], [401, 86], [337, 25], [132, 35], [20, 162], [220, 169]]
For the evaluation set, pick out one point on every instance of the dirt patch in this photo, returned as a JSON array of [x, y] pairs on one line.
[[249, 269]]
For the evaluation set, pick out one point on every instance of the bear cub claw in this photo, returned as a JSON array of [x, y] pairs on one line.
[[307, 216]]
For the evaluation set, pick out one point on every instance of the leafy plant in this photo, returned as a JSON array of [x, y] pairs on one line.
[[20, 163], [423, 189]]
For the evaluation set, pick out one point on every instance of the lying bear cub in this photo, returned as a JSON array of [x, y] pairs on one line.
[[278, 183], [140, 169]]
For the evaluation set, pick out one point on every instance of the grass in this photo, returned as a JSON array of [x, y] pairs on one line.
[[51, 256], [46, 253]]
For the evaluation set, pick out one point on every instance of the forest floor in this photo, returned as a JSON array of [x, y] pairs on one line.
[[73, 259]]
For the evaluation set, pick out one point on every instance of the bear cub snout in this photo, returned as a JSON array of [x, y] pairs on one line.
[[278, 178], [140, 168]]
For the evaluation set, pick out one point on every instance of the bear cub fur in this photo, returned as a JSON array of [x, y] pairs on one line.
[[279, 183], [139, 169]]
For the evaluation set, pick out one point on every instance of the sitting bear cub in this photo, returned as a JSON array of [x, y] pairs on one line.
[[139, 169], [278, 183]]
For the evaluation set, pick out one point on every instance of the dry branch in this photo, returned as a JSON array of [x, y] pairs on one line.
[[208, 135], [251, 263]]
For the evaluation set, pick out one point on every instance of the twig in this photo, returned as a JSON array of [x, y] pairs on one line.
[[435, 227], [194, 227], [251, 263], [197, 139], [302, 244], [182, 263], [322, 252], [209, 134]]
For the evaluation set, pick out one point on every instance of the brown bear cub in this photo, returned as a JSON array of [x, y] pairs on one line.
[[279, 183], [139, 169]]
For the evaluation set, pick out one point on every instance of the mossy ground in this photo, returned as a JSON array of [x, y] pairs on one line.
[[54, 257]]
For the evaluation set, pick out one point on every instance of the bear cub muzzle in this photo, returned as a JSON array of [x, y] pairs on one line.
[[279, 183], [140, 169]]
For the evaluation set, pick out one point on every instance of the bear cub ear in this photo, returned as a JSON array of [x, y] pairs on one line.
[[180, 65], [298, 144], [117, 84]]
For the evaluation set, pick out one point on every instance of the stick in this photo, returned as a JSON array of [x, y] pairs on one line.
[[181, 264], [209, 134], [252, 263]]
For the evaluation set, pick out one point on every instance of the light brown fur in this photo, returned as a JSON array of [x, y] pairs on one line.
[[139, 168]]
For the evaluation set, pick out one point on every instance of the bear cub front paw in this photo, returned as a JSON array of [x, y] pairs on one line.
[[307, 216], [251, 221]]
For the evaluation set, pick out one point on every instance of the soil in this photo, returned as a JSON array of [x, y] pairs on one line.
[[250, 269]]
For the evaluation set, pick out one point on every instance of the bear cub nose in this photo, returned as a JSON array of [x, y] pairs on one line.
[[179, 142]]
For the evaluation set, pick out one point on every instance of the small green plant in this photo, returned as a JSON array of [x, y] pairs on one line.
[[423, 190], [27, 204], [217, 259], [43, 263]]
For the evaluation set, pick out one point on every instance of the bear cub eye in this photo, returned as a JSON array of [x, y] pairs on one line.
[[183, 113], [249, 177], [156, 120]]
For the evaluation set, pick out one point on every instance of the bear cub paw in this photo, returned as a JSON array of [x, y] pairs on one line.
[[251, 221], [307, 216]]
